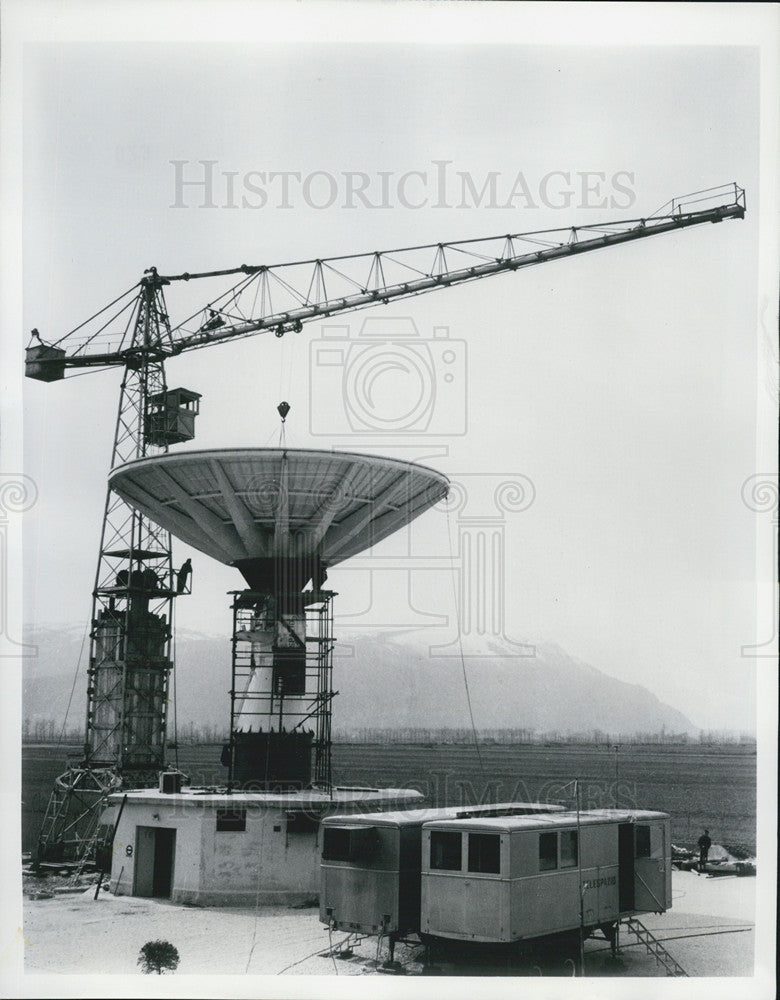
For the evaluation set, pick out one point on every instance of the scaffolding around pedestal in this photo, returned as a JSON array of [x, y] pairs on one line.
[[283, 517], [281, 690]]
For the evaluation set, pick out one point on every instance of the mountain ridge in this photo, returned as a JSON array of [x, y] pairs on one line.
[[385, 681]]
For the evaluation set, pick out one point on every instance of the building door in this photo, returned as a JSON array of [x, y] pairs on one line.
[[155, 848], [626, 867], [164, 849]]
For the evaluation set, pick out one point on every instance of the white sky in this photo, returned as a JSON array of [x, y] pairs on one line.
[[622, 384]]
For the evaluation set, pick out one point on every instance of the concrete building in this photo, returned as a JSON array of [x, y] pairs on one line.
[[209, 848]]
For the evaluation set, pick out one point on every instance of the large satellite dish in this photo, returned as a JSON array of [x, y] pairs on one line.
[[245, 506]]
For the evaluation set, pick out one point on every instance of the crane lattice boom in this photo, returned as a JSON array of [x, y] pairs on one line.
[[283, 297]]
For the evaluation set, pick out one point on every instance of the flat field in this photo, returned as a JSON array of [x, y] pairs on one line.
[[699, 786]]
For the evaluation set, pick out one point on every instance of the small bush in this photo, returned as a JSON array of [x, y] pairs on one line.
[[159, 957]]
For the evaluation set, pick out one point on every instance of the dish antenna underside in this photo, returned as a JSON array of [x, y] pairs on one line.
[[253, 506]]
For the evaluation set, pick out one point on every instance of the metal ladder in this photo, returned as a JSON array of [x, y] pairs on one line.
[[51, 817], [655, 947]]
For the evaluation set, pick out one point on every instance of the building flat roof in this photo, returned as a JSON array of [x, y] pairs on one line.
[[314, 799]]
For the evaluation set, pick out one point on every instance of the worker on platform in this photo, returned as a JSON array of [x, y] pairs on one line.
[[183, 576], [704, 849], [214, 322]]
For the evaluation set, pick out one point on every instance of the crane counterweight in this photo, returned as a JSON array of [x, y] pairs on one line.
[[46, 364]]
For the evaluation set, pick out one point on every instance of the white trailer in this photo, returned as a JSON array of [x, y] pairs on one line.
[[515, 878], [371, 864]]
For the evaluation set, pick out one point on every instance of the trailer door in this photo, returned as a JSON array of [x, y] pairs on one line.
[[650, 868], [626, 867]]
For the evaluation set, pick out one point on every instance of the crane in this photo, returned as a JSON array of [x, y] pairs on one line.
[[135, 584]]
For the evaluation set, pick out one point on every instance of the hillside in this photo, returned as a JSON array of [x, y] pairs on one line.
[[385, 680]]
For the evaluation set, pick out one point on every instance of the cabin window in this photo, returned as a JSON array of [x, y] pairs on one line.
[[569, 849], [298, 822], [642, 841], [485, 853], [446, 850], [231, 820], [548, 851]]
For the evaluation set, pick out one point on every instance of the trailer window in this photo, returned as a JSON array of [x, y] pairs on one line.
[[569, 849], [335, 844], [348, 843], [548, 851], [485, 853], [445, 850], [642, 834]]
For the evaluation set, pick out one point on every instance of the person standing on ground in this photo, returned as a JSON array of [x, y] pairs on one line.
[[704, 848]]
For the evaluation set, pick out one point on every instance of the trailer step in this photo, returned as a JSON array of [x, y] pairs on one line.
[[654, 947]]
